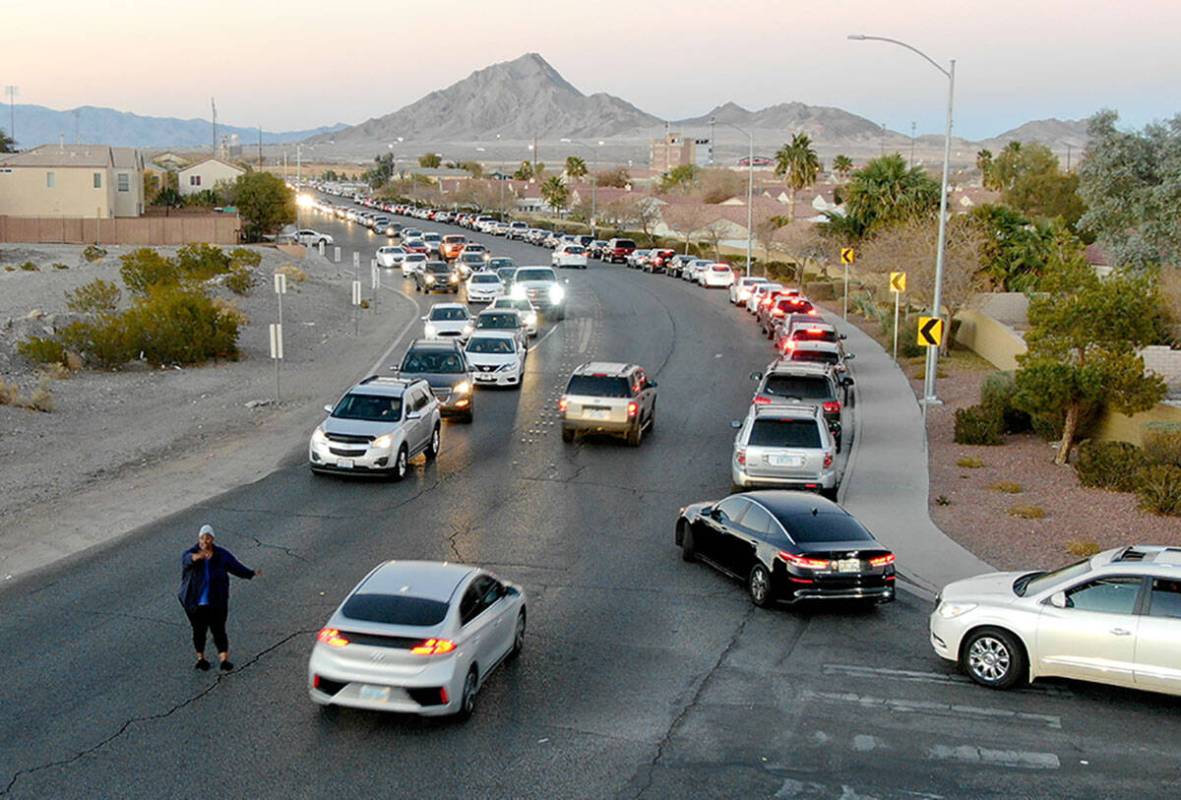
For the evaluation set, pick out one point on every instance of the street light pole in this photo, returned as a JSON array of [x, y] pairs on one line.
[[929, 396], [750, 189]]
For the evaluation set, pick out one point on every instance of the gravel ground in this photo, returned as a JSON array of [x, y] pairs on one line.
[[121, 428]]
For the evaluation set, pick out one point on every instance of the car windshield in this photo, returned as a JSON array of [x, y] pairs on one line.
[[785, 433], [474, 248], [485, 277], [825, 527], [798, 387], [530, 274], [598, 386], [482, 344], [818, 356], [433, 361], [394, 609], [369, 407], [501, 263], [416, 257], [503, 321], [1036, 582], [472, 258]]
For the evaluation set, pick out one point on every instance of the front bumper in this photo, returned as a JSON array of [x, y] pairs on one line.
[[497, 378], [350, 458], [946, 634]]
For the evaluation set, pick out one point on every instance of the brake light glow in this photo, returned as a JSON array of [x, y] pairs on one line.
[[812, 312], [882, 561], [633, 408], [814, 331], [832, 406], [563, 404], [761, 400], [802, 561], [827, 460], [331, 637], [740, 456], [433, 647], [778, 312]]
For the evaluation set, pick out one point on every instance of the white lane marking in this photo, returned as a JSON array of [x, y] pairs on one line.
[[792, 788], [970, 754], [587, 327], [936, 709], [912, 676]]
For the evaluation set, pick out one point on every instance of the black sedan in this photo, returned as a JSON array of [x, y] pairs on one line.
[[789, 546]]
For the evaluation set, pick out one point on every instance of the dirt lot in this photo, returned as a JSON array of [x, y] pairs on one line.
[[164, 437]]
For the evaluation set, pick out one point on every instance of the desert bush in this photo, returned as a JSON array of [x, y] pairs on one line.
[[239, 281], [1163, 447], [1109, 465], [103, 342], [41, 399], [201, 262], [1159, 489], [228, 308], [1006, 487], [73, 361], [94, 253], [96, 297], [8, 394], [997, 393], [1081, 548], [978, 425], [29, 266], [175, 325], [60, 265], [9, 268], [40, 350], [1027, 512], [967, 462], [144, 268], [820, 290], [294, 274], [245, 257]]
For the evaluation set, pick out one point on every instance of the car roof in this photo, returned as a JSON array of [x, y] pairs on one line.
[[433, 344], [1153, 554], [383, 385], [611, 368], [785, 503], [783, 367], [492, 333], [431, 580], [817, 345], [487, 312]]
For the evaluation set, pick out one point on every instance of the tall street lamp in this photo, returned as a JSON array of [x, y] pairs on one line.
[[594, 179], [750, 187], [929, 397]]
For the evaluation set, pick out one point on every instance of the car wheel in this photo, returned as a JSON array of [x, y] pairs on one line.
[[688, 547], [400, 467], [467, 700], [432, 450], [993, 658], [518, 636], [635, 436], [758, 585], [567, 436], [652, 422]]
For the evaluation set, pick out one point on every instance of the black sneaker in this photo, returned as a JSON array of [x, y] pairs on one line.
[[202, 665], [226, 665]]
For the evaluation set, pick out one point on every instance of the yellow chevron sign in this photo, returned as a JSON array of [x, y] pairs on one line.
[[930, 331], [898, 282]]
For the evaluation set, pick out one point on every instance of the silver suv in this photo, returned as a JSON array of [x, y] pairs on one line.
[[378, 426], [785, 446], [616, 399]]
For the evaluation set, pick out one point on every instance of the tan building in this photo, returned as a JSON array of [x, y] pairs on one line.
[[675, 150], [207, 174], [80, 180]]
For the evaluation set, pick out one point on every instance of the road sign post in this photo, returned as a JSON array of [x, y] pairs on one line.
[[336, 254], [277, 329], [356, 307], [897, 286], [375, 281], [848, 257], [321, 248], [930, 335]]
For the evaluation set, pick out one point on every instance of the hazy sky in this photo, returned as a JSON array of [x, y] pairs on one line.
[[303, 63]]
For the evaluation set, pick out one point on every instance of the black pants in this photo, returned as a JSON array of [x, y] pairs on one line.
[[204, 618]]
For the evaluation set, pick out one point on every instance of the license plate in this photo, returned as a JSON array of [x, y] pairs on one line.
[[785, 461], [344, 463], [598, 413], [380, 694], [486, 378], [849, 565]]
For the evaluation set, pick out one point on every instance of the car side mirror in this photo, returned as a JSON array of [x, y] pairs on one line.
[[736, 424], [424, 319], [1058, 599], [843, 336], [850, 356], [395, 369], [846, 381], [328, 409], [756, 376], [652, 384]]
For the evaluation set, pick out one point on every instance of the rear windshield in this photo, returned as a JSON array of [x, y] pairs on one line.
[[369, 407], [598, 386], [506, 273], [416, 257], [785, 433], [798, 387], [474, 248], [527, 274], [825, 527], [433, 361], [624, 243], [818, 356], [574, 250], [453, 313], [490, 345], [394, 609]]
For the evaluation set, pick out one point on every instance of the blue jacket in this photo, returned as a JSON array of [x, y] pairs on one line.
[[222, 564]]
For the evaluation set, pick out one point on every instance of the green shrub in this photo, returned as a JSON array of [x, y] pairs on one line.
[[978, 425], [103, 342], [998, 393], [1163, 447], [1159, 489], [176, 325], [967, 462], [59, 265], [144, 268], [1082, 548], [245, 257], [1027, 512], [29, 266], [40, 350], [201, 262], [94, 253], [1109, 465], [240, 281], [96, 297], [1006, 487]]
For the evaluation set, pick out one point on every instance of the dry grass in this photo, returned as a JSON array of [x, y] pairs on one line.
[[294, 274], [40, 400], [1006, 487], [968, 462], [1027, 512], [228, 308], [1082, 549]]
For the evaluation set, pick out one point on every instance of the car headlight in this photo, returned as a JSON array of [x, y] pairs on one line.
[[318, 436], [518, 293], [453, 279], [467, 330], [509, 367], [429, 330], [384, 442], [531, 318], [463, 387], [953, 610], [556, 293], [430, 278]]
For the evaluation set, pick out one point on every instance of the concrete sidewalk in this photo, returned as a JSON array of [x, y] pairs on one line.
[[886, 481]]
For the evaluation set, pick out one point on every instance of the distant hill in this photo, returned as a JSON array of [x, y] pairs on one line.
[[40, 125], [831, 126], [1056, 133]]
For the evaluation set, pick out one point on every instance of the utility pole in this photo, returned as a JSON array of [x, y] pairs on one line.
[[260, 148], [12, 92], [213, 109], [912, 130]]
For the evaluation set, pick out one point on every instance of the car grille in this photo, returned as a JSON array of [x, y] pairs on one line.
[[345, 438], [338, 451], [485, 369]]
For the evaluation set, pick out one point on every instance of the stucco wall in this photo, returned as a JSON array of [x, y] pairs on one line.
[[24, 192], [990, 339]]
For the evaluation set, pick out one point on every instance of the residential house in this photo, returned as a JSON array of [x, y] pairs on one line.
[[207, 174], [80, 180]]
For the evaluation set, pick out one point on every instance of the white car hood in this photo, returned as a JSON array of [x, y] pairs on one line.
[[491, 359], [994, 587]]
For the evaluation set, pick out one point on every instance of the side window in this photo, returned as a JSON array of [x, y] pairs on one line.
[[731, 509], [1166, 599], [1107, 595], [491, 590], [757, 520], [470, 606]]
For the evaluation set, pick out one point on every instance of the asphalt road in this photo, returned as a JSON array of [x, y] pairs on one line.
[[643, 676]]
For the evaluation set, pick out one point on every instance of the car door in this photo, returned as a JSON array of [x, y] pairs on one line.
[[1158, 639], [419, 427], [743, 544], [718, 526], [477, 626], [502, 626], [1094, 637]]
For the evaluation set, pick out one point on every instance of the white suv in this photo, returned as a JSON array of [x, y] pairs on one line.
[[785, 446], [376, 428]]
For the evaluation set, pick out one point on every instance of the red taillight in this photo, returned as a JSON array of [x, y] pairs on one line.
[[827, 460], [802, 561], [832, 406], [882, 561], [444, 698], [331, 637], [563, 403], [760, 400], [633, 408], [814, 331], [740, 456], [433, 647], [315, 681]]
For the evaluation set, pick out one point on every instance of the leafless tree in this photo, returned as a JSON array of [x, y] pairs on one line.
[[687, 219]]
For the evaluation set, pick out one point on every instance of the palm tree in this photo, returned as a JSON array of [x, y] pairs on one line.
[[7, 143], [984, 164], [887, 192], [842, 165], [796, 162], [575, 167], [555, 193]]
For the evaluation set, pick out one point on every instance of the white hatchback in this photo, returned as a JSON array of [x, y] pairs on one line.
[[716, 275], [417, 637], [569, 255]]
